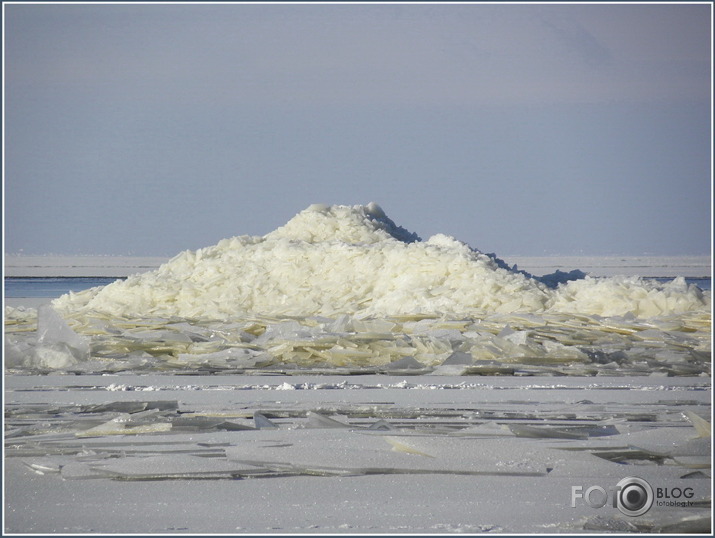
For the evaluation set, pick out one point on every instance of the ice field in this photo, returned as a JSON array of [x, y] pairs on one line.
[[358, 454], [342, 375]]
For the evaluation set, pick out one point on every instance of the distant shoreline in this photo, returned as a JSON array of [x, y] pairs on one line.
[[80, 266], [123, 266]]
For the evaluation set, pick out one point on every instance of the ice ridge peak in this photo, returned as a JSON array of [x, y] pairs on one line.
[[358, 224]]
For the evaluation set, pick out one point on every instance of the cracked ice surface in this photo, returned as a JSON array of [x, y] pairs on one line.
[[393, 453]]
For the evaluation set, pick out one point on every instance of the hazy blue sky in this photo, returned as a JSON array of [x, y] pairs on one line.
[[519, 129]]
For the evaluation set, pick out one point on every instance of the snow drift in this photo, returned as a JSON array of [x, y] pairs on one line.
[[331, 260]]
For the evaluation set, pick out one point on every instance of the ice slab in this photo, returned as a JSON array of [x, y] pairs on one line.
[[118, 426], [53, 329], [264, 423], [343, 452], [55, 346], [160, 467]]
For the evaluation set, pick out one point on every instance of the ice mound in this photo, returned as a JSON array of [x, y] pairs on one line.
[[332, 260]]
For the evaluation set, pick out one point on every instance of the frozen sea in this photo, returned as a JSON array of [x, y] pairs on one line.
[[522, 443]]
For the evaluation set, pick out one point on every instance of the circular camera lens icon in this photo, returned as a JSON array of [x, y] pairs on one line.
[[634, 496]]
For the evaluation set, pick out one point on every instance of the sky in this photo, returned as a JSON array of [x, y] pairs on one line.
[[531, 130]]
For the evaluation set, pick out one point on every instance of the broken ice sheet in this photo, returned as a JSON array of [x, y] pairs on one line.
[[48, 465], [53, 329], [702, 426], [674, 446], [234, 357], [119, 426], [158, 420], [319, 421], [344, 452], [536, 432], [497, 344], [405, 366], [55, 347], [160, 467], [262, 422], [198, 423]]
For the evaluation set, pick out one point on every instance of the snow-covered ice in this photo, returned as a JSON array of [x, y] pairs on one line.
[[359, 454], [341, 375]]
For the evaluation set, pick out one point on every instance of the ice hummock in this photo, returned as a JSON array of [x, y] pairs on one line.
[[331, 260], [343, 288]]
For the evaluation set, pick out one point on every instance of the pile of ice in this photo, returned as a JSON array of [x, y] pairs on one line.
[[354, 260]]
